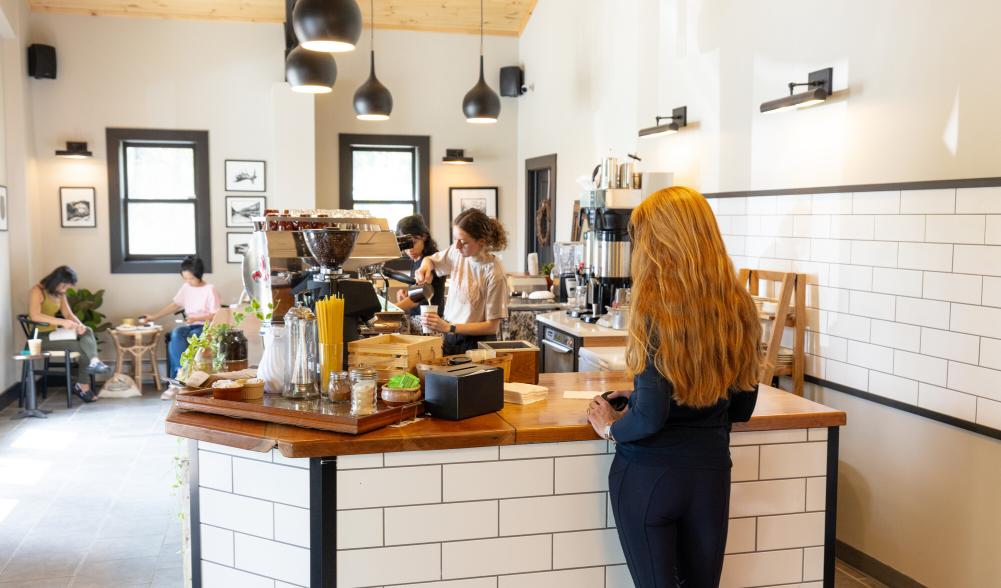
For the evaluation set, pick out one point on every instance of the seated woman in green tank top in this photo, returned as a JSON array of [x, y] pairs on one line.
[[48, 298]]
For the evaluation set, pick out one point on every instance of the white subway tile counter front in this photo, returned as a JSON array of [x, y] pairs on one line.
[[529, 509]]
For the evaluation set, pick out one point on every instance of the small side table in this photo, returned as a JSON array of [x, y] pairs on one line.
[[28, 387], [131, 345]]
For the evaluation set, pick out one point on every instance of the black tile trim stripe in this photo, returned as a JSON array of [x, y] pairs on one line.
[[195, 515], [925, 185], [831, 512], [924, 412], [875, 568], [323, 522]]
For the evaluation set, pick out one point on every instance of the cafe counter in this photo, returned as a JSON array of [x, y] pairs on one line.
[[508, 499]]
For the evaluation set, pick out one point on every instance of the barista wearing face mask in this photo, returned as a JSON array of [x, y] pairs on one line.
[[424, 246], [478, 295]]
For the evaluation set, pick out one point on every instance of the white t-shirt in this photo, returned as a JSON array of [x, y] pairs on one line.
[[478, 290]]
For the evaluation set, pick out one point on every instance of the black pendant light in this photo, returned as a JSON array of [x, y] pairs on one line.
[[481, 105], [373, 100], [310, 72], [332, 26]]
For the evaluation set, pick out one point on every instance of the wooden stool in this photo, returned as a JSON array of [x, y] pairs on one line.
[[137, 350], [28, 387]]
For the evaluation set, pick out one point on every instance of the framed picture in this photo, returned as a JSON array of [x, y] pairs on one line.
[[245, 175], [240, 209], [461, 199], [236, 245], [3, 208], [77, 208]]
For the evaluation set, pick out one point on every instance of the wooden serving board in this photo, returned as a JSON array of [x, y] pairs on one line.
[[313, 414]]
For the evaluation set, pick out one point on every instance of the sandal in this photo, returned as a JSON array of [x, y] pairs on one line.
[[87, 396]]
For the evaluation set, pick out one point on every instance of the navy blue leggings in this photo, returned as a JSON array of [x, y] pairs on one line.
[[672, 522]]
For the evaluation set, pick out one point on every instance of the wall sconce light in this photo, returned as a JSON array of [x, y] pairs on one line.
[[74, 149], [678, 118], [819, 85], [456, 157]]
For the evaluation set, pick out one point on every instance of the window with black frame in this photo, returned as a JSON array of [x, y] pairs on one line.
[[385, 174], [158, 191]]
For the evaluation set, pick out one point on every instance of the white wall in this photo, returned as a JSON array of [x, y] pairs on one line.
[[16, 172], [428, 74], [911, 104], [226, 78]]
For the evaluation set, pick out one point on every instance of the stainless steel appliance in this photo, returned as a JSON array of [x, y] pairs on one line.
[[316, 253], [559, 352]]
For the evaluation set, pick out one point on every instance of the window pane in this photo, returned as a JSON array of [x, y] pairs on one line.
[[382, 175], [391, 212], [161, 229], [160, 173]]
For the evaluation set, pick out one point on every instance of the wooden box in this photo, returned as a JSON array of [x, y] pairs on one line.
[[390, 353], [524, 359]]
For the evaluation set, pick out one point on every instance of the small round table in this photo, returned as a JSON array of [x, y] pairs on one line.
[[130, 345], [28, 387]]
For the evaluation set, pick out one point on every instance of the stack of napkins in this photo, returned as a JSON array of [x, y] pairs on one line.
[[519, 393]]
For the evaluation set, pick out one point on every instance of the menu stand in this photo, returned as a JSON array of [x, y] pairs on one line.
[[28, 387]]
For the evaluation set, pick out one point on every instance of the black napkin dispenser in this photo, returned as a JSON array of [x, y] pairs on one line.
[[463, 391]]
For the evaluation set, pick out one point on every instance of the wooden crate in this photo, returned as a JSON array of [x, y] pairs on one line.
[[394, 352], [524, 359]]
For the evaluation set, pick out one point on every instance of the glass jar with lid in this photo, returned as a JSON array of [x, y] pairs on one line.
[[303, 355], [364, 385], [339, 388]]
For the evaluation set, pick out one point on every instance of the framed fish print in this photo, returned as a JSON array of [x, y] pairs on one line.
[[245, 175], [241, 209]]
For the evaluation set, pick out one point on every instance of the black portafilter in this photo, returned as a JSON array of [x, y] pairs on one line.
[[416, 293]]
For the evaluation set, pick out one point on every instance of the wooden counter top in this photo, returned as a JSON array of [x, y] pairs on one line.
[[554, 420]]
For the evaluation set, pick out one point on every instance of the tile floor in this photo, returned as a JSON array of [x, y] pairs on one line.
[[87, 496]]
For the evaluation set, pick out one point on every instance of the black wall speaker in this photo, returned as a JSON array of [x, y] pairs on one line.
[[42, 61], [512, 79]]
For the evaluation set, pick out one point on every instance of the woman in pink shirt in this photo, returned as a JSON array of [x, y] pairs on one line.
[[199, 300]]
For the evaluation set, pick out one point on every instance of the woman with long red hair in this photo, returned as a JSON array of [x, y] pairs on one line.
[[693, 353]]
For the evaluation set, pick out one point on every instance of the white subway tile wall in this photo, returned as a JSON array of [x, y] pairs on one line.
[[557, 530], [907, 285]]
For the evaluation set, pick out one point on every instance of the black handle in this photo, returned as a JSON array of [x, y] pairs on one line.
[[399, 276]]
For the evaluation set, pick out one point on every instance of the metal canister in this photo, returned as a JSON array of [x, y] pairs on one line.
[[626, 174], [609, 173]]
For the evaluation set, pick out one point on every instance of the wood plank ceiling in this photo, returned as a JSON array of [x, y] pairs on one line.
[[501, 17]]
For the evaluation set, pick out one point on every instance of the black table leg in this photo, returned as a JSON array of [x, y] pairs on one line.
[[30, 402]]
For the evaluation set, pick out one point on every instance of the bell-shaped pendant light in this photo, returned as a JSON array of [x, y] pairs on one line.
[[310, 72], [332, 26], [481, 105], [373, 100]]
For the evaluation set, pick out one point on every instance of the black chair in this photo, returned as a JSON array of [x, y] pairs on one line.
[[66, 360]]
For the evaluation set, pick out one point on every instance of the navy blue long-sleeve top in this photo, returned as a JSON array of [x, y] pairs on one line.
[[658, 431]]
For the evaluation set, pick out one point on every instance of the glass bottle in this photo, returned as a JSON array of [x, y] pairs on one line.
[[303, 354]]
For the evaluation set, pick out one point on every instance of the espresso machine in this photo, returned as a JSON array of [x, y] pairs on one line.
[[605, 210], [309, 255]]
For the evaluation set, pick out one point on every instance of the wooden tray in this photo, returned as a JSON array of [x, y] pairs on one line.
[[313, 414]]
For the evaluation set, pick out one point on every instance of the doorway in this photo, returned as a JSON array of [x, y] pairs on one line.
[[540, 206]]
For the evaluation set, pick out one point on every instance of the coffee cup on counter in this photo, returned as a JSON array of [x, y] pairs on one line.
[[427, 310]]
